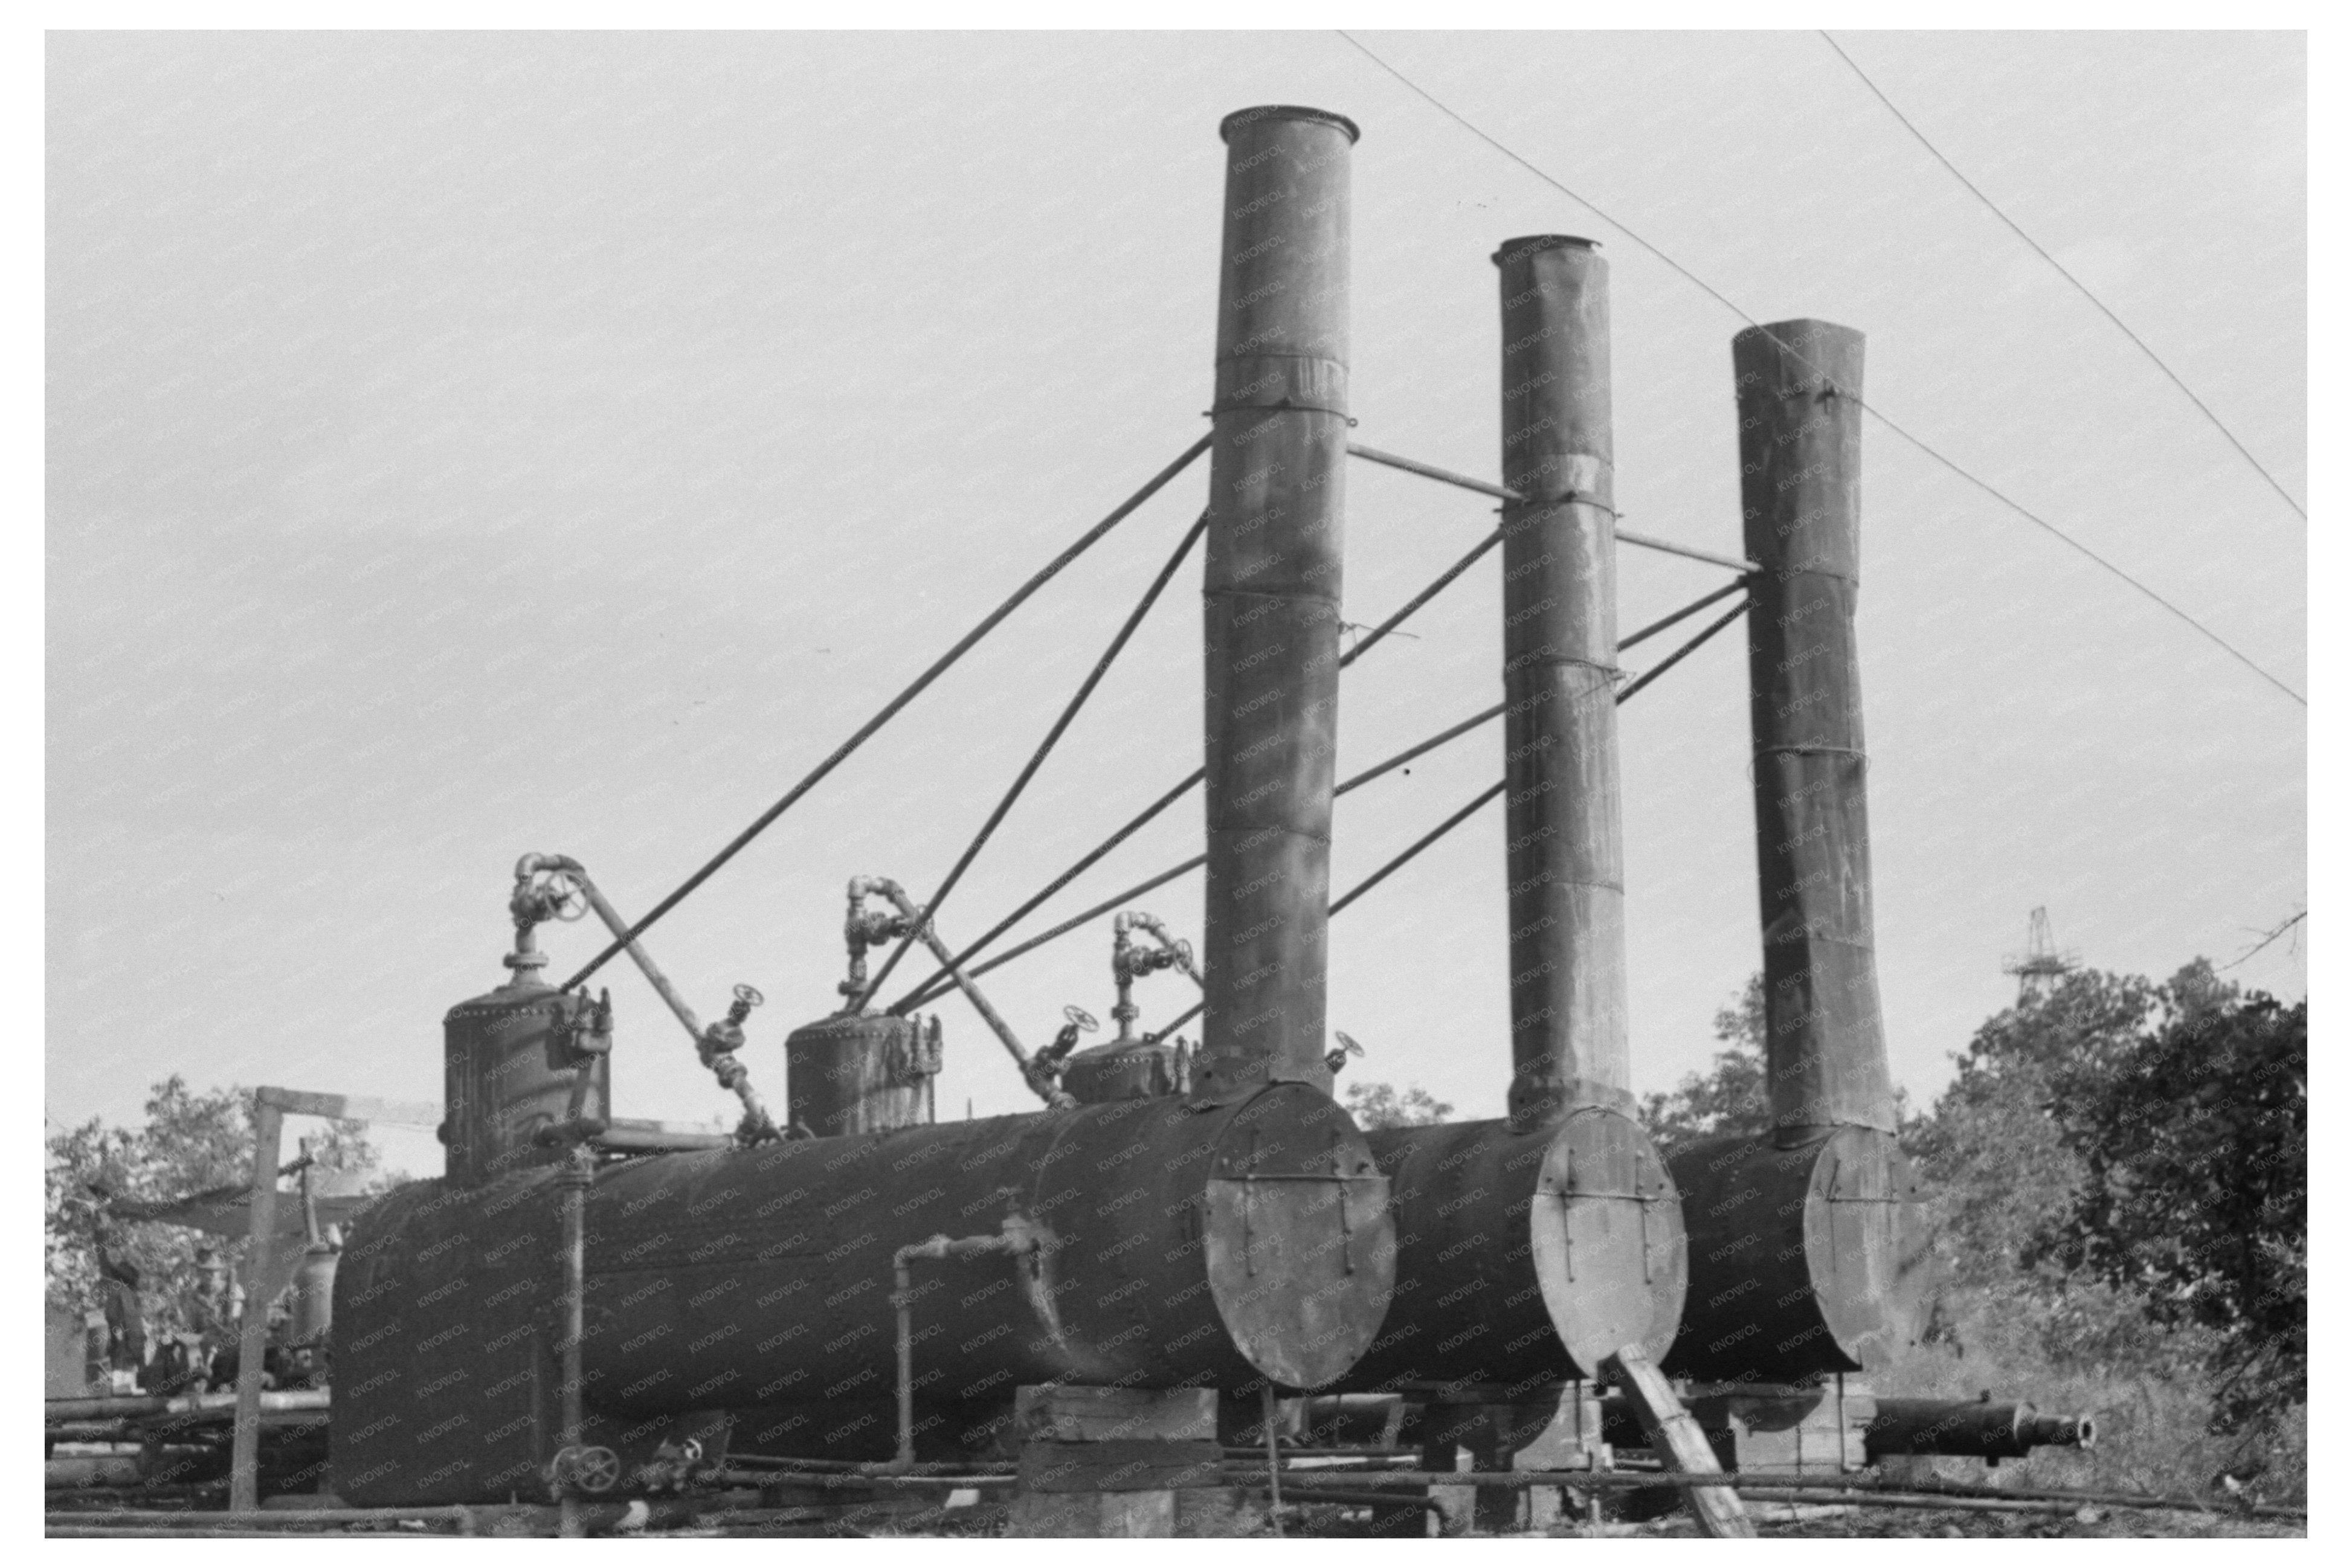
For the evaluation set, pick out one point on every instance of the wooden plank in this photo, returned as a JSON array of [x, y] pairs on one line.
[[1679, 1442], [350, 1107], [244, 1447]]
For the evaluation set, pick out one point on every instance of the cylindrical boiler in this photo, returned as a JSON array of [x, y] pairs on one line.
[[1804, 1261], [1525, 1257], [1178, 1247]]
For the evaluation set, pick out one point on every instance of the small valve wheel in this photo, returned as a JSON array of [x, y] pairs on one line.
[[555, 893], [587, 1469], [748, 996], [1334, 1060], [1084, 1019]]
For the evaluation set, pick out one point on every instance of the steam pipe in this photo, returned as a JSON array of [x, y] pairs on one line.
[[1017, 1240], [576, 1179], [1565, 855], [1800, 391], [1271, 597], [715, 1043], [862, 933], [1128, 964]]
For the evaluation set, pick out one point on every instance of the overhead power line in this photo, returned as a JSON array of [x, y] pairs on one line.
[[1724, 300], [2059, 267]]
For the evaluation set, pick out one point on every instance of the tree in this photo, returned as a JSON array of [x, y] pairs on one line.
[[1729, 1100], [1993, 1153], [1380, 1105], [2193, 1192], [190, 1142]]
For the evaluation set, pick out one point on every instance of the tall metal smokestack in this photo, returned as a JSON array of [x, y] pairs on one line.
[[1271, 600], [1799, 389], [1810, 1250], [1566, 855]]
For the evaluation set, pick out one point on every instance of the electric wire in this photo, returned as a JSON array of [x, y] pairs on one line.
[[922, 921], [890, 710], [2059, 267], [1724, 300]]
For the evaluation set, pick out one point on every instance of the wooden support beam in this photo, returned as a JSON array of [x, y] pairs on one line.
[[350, 1107], [1679, 1442], [253, 1336]]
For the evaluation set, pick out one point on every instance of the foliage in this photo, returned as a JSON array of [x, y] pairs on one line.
[[1993, 1151], [2194, 1189], [1730, 1099], [1380, 1105], [191, 1143]]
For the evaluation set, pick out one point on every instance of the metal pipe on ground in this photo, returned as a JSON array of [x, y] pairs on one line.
[[1839, 1488], [1271, 597], [1975, 1428]]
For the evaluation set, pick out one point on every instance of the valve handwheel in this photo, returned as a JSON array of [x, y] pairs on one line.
[[558, 892], [1080, 1017], [748, 996], [591, 1469]]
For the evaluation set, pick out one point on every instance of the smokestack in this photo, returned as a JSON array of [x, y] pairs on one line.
[[1799, 389], [1810, 1252], [1271, 600], [1565, 856]]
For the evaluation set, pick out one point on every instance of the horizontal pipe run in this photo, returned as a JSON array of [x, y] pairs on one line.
[[1637, 1481], [460, 1513], [827, 1480], [1358, 1498], [1625, 537], [1668, 546], [100, 1406], [1430, 471]]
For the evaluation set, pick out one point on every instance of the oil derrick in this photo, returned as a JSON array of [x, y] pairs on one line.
[[2040, 967]]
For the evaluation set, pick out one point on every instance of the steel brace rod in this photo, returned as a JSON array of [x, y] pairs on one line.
[[1464, 481]]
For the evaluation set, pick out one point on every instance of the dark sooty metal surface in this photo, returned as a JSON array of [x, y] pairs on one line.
[[1184, 1246], [1524, 1258], [1803, 1262]]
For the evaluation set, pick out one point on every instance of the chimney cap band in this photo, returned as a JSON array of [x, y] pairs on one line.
[[1528, 245], [1241, 116]]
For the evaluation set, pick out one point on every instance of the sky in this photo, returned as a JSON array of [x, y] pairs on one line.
[[462, 446]]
